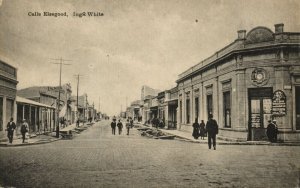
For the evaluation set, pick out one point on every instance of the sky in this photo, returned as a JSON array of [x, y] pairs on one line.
[[135, 43]]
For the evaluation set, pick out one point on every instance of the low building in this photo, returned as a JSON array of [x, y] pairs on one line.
[[40, 117], [171, 101], [254, 79], [8, 89], [49, 95]]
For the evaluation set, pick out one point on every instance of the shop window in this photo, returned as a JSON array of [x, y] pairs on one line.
[[227, 109], [196, 107], [297, 99], [188, 111], [209, 100]]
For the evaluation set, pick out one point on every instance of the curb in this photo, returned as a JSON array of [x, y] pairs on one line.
[[28, 144], [236, 143]]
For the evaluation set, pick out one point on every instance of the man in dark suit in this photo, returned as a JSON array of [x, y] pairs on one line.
[[11, 126], [212, 130], [113, 126]]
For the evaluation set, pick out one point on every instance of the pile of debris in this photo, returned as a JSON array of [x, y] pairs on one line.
[[155, 133]]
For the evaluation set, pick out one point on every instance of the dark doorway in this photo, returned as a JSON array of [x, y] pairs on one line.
[[260, 106]]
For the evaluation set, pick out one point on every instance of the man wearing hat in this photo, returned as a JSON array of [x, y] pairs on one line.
[[24, 129], [212, 130], [272, 131], [276, 130]]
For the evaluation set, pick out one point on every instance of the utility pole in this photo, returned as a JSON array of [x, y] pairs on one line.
[[61, 60], [78, 76]]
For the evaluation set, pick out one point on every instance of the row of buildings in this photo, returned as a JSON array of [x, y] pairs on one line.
[[254, 79], [39, 105]]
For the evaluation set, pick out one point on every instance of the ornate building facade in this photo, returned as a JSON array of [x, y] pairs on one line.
[[252, 80]]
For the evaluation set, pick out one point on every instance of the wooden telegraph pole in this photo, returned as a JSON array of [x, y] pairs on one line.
[[61, 60]]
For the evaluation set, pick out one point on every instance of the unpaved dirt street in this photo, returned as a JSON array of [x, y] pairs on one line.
[[95, 158]]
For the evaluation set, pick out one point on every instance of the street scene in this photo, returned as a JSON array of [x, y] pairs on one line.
[[96, 158], [138, 93]]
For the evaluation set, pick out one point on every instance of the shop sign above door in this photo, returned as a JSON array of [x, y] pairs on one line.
[[279, 103]]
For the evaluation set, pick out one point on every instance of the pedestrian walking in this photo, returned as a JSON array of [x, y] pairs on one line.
[[24, 129], [120, 126], [113, 127], [11, 126], [196, 129], [131, 122], [212, 130], [272, 131], [202, 130], [128, 126]]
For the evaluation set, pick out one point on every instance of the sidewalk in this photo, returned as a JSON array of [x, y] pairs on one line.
[[40, 139], [187, 136]]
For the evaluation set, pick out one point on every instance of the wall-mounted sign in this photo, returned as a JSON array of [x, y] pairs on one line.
[[259, 77], [279, 103]]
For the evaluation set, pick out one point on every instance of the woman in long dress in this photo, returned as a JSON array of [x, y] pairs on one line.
[[196, 129], [202, 130]]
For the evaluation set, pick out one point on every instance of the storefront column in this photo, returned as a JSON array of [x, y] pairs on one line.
[[183, 107], [201, 104], [216, 102], [241, 100], [192, 100], [5, 121], [166, 115], [15, 116]]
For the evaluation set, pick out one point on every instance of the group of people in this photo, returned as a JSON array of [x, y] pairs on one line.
[[11, 126], [114, 124], [211, 128], [157, 123]]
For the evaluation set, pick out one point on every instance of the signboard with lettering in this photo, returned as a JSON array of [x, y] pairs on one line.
[[279, 103]]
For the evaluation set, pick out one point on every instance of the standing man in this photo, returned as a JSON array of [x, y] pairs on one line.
[[212, 130], [131, 122], [24, 129], [128, 126], [113, 127], [276, 130], [11, 126], [120, 126]]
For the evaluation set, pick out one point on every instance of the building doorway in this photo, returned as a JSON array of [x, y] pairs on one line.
[[260, 111]]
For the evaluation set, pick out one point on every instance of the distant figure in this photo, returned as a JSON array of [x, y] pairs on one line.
[[24, 129], [202, 130], [272, 131], [120, 126], [131, 122], [11, 126], [212, 130], [161, 123], [276, 130], [196, 129], [113, 127], [77, 123], [128, 126]]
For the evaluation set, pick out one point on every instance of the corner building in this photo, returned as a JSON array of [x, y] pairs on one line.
[[252, 80]]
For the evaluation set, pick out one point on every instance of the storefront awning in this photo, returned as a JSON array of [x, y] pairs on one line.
[[31, 102]]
